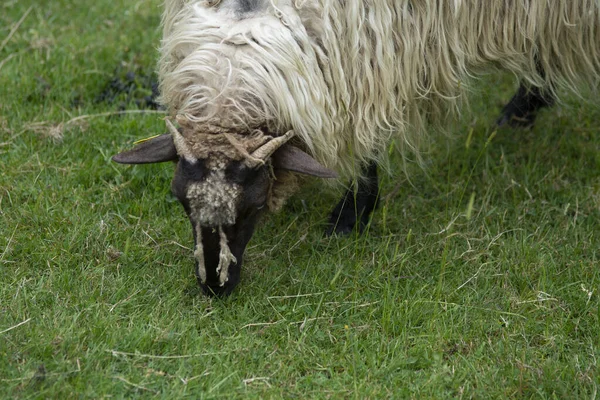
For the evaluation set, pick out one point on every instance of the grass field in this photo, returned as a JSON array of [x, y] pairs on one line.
[[478, 277]]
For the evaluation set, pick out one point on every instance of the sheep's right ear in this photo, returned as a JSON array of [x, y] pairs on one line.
[[158, 149]]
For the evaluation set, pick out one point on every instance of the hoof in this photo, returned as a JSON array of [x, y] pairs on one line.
[[516, 121], [343, 228], [346, 220], [354, 210], [520, 112]]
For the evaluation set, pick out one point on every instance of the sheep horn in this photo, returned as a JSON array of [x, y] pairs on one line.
[[183, 150], [266, 150]]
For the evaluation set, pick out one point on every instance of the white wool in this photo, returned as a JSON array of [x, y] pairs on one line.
[[226, 257], [213, 200], [349, 76]]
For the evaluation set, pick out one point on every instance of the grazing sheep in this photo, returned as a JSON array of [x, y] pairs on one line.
[[264, 89]]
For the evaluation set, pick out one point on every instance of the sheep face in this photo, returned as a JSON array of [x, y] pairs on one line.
[[223, 205], [224, 181]]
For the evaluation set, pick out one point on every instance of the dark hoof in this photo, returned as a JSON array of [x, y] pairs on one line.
[[343, 228], [349, 215], [520, 112], [512, 119], [355, 207]]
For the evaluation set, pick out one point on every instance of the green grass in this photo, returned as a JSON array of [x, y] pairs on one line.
[[478, 277]]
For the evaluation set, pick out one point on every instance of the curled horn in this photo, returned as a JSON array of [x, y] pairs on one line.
[[183, 150], [265, 151]]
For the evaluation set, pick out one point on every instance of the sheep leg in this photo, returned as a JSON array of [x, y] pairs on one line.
[[521, 110], [358, 203]]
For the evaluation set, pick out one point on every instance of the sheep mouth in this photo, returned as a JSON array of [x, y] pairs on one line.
[[214, 289], [219, 256]]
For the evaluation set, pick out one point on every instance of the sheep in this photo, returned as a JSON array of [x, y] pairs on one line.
[[265, 90]]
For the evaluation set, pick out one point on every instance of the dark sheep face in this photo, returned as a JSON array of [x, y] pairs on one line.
[[223, 206], [224, 189]]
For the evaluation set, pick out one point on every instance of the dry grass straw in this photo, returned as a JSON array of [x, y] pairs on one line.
[[56, 130]]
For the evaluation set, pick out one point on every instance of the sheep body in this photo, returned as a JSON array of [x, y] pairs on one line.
[[349, 76]]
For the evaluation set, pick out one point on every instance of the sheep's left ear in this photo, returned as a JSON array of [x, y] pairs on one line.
[[158, 149], [291, 158]]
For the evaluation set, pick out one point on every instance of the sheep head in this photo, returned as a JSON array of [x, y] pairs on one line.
[[224, 181]]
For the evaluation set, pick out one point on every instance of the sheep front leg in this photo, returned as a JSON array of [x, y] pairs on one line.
[[358, 203], [521, 110]]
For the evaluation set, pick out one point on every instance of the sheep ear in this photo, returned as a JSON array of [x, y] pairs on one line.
[[291, 158], [158, 149]]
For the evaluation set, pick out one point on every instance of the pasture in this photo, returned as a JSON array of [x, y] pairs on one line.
[[478, 276]]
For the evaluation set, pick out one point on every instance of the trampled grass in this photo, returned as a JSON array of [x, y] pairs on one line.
[[478, 277]]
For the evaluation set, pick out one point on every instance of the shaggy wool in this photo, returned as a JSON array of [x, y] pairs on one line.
[[348, 76]]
